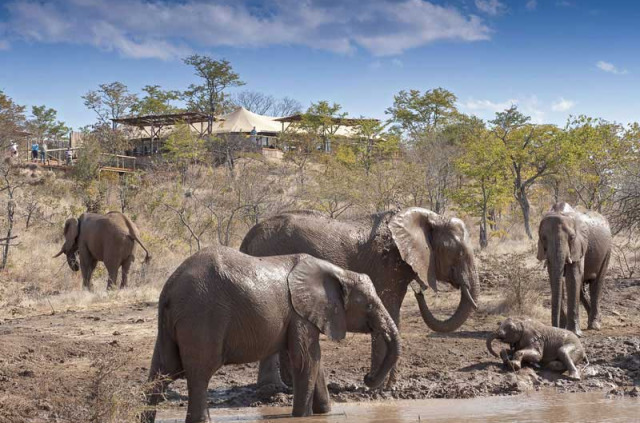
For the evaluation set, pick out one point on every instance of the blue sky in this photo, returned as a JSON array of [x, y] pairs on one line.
[[552, 58]]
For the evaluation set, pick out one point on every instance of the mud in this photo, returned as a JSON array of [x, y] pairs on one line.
[[537, 407], [63, 365]]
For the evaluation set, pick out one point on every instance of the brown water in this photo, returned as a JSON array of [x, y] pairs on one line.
[[529, 408]]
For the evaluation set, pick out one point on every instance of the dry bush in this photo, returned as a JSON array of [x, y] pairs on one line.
[[625, 257], [521, 283]]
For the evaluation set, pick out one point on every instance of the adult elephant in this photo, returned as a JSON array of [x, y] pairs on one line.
[[394, 249], [225, 307], [576, 247], [108, 238]]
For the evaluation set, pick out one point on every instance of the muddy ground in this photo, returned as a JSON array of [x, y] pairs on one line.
[[89, 363]]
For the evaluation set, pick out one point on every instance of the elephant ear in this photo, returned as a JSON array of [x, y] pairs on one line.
[[411, 232], [319, 295], [542, 253], [71, 231], [578, 241]]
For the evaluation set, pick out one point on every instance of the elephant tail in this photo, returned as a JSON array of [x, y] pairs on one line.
[[133, 233], [166, 364]]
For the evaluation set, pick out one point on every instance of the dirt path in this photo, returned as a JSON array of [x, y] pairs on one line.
[[78, 365]]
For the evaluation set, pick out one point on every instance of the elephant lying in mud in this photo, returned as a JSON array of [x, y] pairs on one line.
[[225, 307], [108, 238], [532, 342], [394, 249], [576, 246]]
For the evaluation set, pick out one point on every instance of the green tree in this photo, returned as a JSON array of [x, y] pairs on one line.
[[594, 152], [183, 148], [419, 113], [156, 101], [486, 186], [44, 126], [323, 120], [371, 143], [209, 96], [12, 120], [533, 152]]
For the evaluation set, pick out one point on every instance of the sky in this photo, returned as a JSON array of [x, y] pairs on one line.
[[553, 58]]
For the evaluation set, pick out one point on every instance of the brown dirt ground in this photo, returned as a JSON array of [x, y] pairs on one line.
[[88, 363]]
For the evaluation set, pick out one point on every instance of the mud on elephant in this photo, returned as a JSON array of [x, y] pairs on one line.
[[394, 249], [225, 307], [108, 238], [576, 248], [532, 342]]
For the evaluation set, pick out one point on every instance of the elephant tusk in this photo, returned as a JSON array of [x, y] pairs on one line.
[[490, 346], [467, 294], [61, 251]]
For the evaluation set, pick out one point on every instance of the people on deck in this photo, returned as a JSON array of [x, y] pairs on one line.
[[34, 151], [43, 152], [68, 155]]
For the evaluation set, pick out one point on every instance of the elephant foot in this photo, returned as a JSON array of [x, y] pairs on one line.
[[574, 375], [266, 391], [321, 408], [595, 325]]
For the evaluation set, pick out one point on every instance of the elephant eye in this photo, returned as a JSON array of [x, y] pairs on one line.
[[369, 307]]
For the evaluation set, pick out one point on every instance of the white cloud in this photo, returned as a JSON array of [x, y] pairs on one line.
[[610, 67], [531, 5], [562, 105], [162, 29], [397, 62], [486, 109], [490, 7]]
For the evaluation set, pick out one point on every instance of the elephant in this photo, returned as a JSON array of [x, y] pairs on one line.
[[108, 238], [533, 342], [395, 249], [222, 306], [577, 246]]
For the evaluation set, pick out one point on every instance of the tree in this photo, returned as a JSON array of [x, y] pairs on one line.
[[12, 121], [264, 104], [594, 153], [44, 126], [217, 75], [323, 120], [532, 152], [486, 186], [183, 148], [8, 184], [420, 114], [156, 101], [110, 101], [372, 144]]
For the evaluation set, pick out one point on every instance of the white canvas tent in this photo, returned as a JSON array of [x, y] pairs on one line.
[[242, 120]]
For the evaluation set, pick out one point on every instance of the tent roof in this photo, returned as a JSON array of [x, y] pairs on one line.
[[242, 120]]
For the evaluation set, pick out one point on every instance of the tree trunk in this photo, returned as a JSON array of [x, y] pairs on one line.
[[523, 200]]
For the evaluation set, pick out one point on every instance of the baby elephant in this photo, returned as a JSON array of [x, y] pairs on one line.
[[222, 306], [530, 341]]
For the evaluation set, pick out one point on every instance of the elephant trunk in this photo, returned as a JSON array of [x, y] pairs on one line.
[[72, 261], [469, 288], [386, 328], [556, 279], [489, 344]]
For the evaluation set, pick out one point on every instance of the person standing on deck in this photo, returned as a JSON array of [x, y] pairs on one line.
[[43, 152], [34, 152]]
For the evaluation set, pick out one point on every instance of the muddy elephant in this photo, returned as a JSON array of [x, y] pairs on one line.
[[108, 238], [533, 342], [225, 307], [394, 249], [576, 247]]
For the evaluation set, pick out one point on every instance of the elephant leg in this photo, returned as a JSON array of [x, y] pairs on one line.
[[573, 282], [87, 266], [285, 368], [583, 298], [321, 403], [113, 276], [200, 361], [304, 352], [379, 346], [555, 366], [528, 355], [159, 379], [564, 354], [126, 266], [269, 371], [563, 305], [595, 292]]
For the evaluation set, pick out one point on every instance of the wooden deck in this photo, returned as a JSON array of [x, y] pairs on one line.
[[56, 160]]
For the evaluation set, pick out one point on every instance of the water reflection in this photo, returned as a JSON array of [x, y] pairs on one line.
[[528, 408]]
